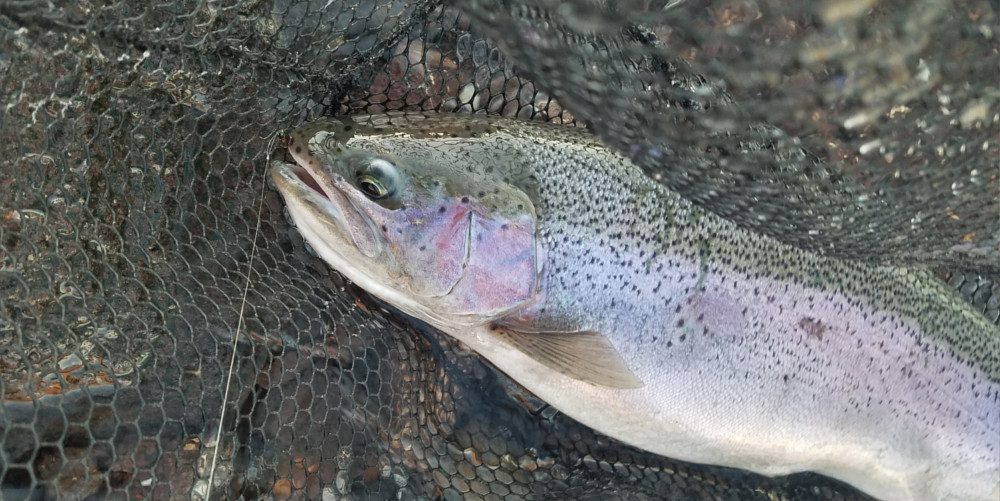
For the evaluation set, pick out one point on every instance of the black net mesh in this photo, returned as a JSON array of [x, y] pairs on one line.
[[134, 138]]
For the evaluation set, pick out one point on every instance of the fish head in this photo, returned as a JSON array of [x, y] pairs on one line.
[[442, 241]]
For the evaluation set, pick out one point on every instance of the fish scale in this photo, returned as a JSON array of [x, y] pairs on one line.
[[667, 327]]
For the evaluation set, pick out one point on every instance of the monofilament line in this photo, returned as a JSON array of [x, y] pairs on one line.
[[239, 322]]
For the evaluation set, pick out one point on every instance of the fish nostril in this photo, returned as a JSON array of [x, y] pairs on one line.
[[331, 143]]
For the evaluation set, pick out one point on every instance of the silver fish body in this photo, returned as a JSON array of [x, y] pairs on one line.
[[652, 321]]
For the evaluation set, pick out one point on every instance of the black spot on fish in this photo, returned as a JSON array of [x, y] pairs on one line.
[[465, 200], [298, 149], [384, 229], [441, 210], [347, 127], [814, 328], [680, 323], [423, 247]]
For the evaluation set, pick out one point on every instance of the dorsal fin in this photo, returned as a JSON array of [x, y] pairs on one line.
[[584, 355]]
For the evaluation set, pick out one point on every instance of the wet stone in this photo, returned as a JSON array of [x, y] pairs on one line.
[[479, 487], [441, 479], [452, 495], [490, 459], [484, 473], [400, 479], [969, 287], [460, 484], [466, 470], [504, 477], [519, 489], [542, 476], [499, 488], [498, 445], [522, 476], [448, 465], [439, 445], [621, 469], [508, 463], [464, 439], [559, 472], [480, 442], [980, 297], [472, 457], [455, 453]]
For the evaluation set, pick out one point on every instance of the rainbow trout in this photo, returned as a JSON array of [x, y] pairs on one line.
[[650, 320]]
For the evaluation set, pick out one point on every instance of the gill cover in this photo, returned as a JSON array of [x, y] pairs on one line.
[[459, 253]]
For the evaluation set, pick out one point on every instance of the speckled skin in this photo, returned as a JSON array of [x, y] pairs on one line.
[[753, 354]]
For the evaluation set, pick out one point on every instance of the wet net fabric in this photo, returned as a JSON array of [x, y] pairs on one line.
[[134, 139]]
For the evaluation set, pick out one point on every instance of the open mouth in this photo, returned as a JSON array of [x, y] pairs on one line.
[[309, 181], [303, 174], [325, 208]]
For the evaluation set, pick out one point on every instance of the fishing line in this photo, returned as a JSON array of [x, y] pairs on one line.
[[239, 322]]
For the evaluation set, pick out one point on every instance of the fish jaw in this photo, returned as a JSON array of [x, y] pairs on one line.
[[327, 204]]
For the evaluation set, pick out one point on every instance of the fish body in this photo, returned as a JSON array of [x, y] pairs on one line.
[[643, 316]]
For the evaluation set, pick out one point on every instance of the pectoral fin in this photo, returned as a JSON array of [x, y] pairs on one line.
[[585, 355]]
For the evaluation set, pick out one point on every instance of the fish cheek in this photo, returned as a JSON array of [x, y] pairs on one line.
[[430, 247], [500, 270]]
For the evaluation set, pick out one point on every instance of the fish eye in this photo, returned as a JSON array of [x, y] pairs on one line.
[[372, 187], [378, 180]]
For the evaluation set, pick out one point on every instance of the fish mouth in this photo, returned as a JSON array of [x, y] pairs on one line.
[[307, 179], [317, 201]]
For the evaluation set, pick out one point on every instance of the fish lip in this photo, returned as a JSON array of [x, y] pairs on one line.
[[288, 177], [307, 179], [327, 193]]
